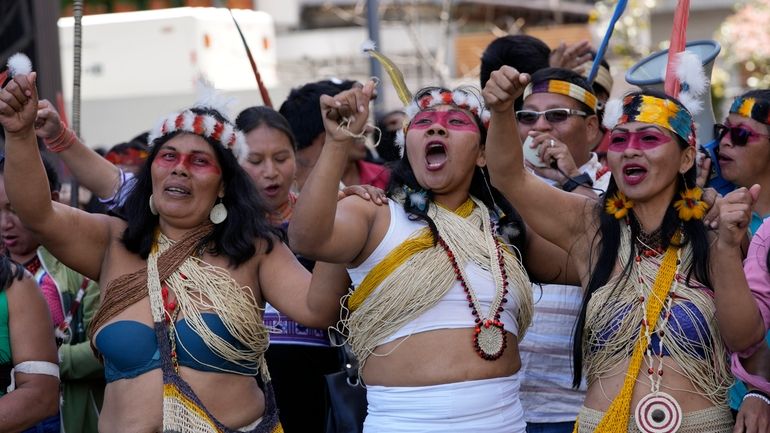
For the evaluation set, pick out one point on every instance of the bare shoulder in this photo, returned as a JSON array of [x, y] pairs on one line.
[[22, 290]]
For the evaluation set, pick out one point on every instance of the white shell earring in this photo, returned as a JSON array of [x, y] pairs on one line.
[[153, 210], [218, 213]]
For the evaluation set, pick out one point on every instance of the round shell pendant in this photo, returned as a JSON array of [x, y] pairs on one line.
[[658, 413], [489, 340]]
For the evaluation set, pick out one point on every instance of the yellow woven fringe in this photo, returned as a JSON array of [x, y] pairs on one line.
[[616, 418], [192, 412], [396, 258]]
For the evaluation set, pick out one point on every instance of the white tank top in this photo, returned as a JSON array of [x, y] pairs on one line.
[[452, 310]]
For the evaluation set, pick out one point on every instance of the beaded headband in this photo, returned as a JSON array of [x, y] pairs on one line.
[[752, 109], [603, 76], [206, 126], [457, 98], [662, 112], [562, 88]]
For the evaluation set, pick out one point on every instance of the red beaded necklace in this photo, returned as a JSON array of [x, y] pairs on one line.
[[489, 334], [171, 314], [33, 265]]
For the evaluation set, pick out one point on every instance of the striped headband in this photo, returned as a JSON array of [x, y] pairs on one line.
[[666, 113], [206, 126], [562, 88], [752, 108]]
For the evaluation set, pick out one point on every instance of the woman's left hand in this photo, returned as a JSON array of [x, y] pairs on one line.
[[754, 417], [345, 114], [735, 216], [18, 104], [366, 192]]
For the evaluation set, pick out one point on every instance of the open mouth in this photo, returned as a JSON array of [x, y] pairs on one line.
[[435, 155], [634, 174], [723, 158], [177, 190], [272, 190]]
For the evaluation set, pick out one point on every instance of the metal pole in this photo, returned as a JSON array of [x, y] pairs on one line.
[[77, 12], [373, 25]]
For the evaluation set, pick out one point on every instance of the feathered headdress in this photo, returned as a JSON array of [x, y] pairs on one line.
[[19, 64], [619, 8], [752, 108], [262, 89], [205, 125], [685, 81], [413, 105]]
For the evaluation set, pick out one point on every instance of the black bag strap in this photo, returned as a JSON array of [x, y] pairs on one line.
[[348, 360]]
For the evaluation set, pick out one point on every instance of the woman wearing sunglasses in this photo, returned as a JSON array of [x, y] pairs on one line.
[[744, 159], [656, 326], [744, 148]]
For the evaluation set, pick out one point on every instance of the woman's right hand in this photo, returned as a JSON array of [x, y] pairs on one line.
[[18, 104], [345, 114], [48, 124], [735, 216], [504, 86]]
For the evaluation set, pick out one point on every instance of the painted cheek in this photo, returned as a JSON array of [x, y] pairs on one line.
[[645, 140], [445, 119], [618, 142], [187, 160], [648, 140]]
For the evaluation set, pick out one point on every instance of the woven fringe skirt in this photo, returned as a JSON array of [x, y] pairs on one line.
[[712, 420]]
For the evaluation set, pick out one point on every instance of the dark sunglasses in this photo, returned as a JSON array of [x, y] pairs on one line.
[[554, 115], [739, 135]]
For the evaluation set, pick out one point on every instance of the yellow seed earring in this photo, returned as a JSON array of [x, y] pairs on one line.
[[691, 206], [618, 205]]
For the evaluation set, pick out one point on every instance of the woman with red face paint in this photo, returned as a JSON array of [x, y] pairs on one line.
[[656, 326], [440, 296], [744, 160], [184, 276]]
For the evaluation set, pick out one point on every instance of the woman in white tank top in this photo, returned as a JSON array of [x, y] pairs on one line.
[[441, 297]]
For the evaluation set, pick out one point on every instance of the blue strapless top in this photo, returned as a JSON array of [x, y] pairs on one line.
[[129, 349], [686, 322]]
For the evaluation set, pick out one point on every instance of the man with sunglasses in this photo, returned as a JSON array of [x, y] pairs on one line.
[[559, 114], [744, 159]]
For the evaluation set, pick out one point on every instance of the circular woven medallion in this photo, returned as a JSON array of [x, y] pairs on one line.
[[658, 413], [490, 340]]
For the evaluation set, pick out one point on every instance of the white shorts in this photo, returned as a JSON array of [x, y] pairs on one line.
[[478, 405]]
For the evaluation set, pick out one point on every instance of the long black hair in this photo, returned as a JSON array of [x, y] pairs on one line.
[[607, 240], [233, 238], [403, 180]]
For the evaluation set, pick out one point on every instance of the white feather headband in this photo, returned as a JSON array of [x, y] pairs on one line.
[[205, 125]]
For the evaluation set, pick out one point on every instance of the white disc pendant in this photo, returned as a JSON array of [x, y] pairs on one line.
[[218, 213], [658, 413], [490, 340]]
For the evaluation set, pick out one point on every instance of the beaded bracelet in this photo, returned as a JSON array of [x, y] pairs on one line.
[[61, 142], [757, 394]]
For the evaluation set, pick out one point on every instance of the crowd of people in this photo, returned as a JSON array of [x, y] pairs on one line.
[[531, 256]]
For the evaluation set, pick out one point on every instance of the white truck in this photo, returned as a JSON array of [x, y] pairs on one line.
[[139, 66]]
